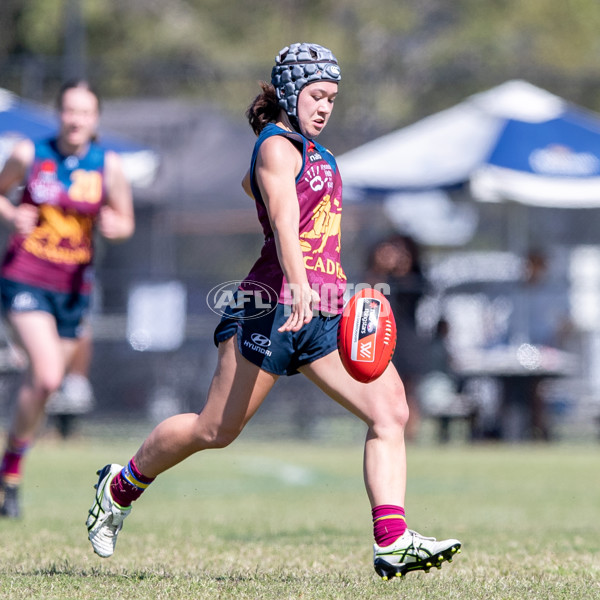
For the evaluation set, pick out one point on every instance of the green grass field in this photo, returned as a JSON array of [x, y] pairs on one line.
[[291, 520]]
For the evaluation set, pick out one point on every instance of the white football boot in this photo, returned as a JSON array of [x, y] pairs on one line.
[[106, 517], [412, 552]]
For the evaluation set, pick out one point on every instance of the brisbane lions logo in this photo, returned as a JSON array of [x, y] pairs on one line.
[[326, 225]]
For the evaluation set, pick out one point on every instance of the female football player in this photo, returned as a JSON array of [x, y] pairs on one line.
[[71, 187], [298, 193]]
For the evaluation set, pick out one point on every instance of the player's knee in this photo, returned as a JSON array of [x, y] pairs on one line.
[[393, 397], [46, 384], [221, 437], [391, 415], [391, 428], [397, 414]]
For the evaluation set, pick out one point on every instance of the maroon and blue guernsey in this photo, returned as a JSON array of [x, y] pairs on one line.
[[69, 191], [319, 190]]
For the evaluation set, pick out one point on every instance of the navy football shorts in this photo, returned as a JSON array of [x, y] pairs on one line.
[[69, 309], [275, 352]]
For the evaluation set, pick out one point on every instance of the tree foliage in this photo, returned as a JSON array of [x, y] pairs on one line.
[[400, 60]]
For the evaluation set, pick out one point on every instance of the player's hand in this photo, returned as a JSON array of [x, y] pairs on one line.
[[303, 300], [112, 225], [107, 222], [26, 218]]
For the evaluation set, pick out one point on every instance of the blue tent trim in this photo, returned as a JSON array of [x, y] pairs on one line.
[[568, 146], [377, 193]]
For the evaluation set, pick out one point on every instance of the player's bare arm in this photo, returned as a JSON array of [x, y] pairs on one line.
[[277, 166], [116, 220], [246, 186], [22, 218]]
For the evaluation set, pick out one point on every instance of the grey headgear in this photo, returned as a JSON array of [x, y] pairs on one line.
[[298, 65]]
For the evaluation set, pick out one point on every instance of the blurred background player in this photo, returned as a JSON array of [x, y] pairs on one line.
[[71, 186], [75, 397], [540, 316], [298, 193]]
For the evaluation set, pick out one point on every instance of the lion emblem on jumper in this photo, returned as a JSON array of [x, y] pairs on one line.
[[326, 224]]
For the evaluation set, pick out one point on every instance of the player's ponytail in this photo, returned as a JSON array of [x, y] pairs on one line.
[[264, 108]]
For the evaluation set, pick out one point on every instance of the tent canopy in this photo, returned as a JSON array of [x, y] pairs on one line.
[[513, 142], [555, 163]]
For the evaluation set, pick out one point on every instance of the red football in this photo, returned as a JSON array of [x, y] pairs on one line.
[[367, 335]]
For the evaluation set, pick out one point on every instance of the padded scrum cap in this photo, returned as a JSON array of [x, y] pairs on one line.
[[298, 65]]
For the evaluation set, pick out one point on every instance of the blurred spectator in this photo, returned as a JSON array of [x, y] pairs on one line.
[[540, 318], [541, 315], [440, 358], [396, 261], [438, 387]]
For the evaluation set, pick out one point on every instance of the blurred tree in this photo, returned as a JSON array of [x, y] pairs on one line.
[[401, 61], [10, 42], [75, 46]]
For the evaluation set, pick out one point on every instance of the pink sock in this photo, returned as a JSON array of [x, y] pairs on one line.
[[389, 523], [10, 470], [129, 484]]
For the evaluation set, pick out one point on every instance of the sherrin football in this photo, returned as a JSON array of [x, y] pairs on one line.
[[367, 335]]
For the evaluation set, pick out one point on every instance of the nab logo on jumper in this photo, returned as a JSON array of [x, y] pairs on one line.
[[312, 153]]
